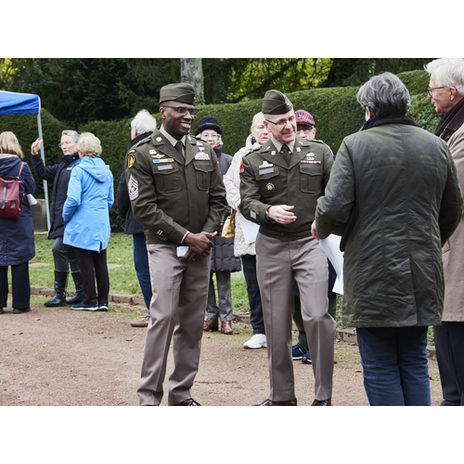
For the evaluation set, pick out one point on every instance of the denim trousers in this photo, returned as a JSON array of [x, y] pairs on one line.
[[395, 368], [449, 345], [254, 297], [142, 267]]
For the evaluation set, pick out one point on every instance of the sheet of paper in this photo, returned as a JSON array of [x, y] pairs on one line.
[[181, 251], [250, 229], [331, 247]]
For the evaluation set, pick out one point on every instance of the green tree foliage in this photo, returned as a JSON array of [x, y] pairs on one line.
[[356, 71], [80, 90], [249, 78]]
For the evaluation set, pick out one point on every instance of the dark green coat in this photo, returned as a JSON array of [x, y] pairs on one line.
[[266, 180], [170, 194], [394, 197]]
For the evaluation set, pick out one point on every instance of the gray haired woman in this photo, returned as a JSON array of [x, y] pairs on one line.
[[63, 255]]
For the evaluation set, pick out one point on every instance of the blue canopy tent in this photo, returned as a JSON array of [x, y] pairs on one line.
[[25, 103]]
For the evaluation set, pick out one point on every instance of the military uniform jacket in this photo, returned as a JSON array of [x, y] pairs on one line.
[[171, 194], [266, 180]]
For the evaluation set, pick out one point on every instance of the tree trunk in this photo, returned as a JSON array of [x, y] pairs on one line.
[[191, 71]]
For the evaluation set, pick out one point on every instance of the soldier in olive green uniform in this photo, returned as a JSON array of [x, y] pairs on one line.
[[279, 186], [177, 194]]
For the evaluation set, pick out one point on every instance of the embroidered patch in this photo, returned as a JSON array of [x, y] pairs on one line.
[[253, 214], [130, 159], [133, 188]]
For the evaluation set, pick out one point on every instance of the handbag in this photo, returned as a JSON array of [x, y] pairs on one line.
[[228, 229]]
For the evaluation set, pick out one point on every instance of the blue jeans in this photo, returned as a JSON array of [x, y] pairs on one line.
[[254, 297], [395, 368], [141, 267]]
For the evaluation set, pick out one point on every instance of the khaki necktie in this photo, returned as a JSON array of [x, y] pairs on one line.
[[286, 153], [180, 147]]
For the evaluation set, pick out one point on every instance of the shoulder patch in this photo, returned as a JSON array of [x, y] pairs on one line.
[[130, 158]]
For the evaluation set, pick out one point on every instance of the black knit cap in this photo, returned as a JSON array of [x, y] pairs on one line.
[[181, 92], [208, 122], [275, 102]]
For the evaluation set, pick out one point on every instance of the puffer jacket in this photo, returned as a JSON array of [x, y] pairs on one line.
[[222, 253], [394, 197], [85, 211]]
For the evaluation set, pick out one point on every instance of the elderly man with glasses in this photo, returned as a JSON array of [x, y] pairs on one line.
[[177, 194], [447, 94], [280, 184]]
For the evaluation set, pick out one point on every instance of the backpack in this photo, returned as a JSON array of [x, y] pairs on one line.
[[10, 200]]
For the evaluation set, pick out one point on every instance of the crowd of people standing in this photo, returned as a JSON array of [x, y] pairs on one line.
[[392, 192]]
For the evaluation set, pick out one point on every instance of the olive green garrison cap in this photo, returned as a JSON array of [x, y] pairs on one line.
[[181, 92], [275, 102]]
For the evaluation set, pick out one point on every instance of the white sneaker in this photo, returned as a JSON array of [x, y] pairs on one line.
[[256, 341]]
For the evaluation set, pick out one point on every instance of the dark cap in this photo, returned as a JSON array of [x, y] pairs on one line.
[[303, 118], [208, 122], [181, 92], [275, 102]]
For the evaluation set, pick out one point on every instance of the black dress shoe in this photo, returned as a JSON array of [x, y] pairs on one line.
[[270, 402], [322, 402], [20, 311], [188, 402]]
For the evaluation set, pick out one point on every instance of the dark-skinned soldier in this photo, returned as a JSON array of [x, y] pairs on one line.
[[177, 195]]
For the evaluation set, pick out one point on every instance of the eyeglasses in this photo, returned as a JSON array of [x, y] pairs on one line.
[[281, 123], [209, 136], [431, 89], [65, 143], [183, 109]]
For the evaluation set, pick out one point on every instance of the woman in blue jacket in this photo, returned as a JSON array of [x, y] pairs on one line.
[[87, 221], [17, 235]]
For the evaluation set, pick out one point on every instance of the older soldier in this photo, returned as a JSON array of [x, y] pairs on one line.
[[178, 196], [394, 198], [280, 184], [446, 90]]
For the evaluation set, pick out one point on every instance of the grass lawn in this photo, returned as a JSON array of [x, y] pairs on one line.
[[123, 278]]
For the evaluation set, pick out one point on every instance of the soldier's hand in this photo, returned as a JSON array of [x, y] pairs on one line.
[[282, 214], [35, 147], [314, 231], [189, 256], [200, 243]]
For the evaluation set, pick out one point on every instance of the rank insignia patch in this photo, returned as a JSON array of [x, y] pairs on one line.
[[133, 188]]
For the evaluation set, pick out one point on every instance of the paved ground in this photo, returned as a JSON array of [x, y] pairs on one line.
[[55, 356]]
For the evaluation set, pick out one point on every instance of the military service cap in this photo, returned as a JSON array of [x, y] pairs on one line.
[[181, 92], [275, 102]]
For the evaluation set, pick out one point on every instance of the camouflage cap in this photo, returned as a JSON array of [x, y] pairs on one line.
[[181, 92], [275, 102]]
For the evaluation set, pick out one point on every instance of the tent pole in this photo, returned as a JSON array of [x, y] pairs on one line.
[[42, 155]]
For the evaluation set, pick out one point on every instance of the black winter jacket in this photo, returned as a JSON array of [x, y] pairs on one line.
[[59, 174]]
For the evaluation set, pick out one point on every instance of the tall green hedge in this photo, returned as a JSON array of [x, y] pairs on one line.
[[335, 111]]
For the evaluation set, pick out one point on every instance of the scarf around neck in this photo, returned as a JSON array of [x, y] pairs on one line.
[[451, 121]]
